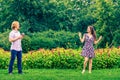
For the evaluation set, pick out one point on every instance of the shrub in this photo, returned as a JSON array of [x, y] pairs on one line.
[[61, 58], [26, 44], [116, 39], [42, 42], [4, 43], [4, 59], [48, 40], [52, 39]]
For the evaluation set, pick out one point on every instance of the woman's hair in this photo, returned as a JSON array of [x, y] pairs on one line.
[[92, 31], [14, 24]]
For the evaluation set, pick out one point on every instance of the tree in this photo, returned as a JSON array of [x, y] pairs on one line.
[[105, 14]]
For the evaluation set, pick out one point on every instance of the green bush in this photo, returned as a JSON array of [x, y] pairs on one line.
[[4, 43], [4, 59], [52, 39], [26, 44], [42, 42], [70, 59], [48, 40], [60, 58], [116, 40]]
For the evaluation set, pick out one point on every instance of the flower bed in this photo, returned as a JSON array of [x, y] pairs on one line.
[[61, 58]]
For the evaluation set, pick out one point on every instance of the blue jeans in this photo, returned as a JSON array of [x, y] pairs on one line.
[[15, 53]]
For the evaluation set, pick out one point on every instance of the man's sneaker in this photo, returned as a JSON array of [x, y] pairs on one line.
[[10, 73], [20, 73]]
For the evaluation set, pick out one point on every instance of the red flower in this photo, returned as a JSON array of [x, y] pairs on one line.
[[59, 53], [101, 53], [109, 53], [52, 51], [31, 52]]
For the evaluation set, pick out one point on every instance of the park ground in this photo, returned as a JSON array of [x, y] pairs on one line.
[[61, 74]]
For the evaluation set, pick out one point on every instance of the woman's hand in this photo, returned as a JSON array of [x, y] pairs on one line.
[[100, 37], [95, 42], [79, 34]]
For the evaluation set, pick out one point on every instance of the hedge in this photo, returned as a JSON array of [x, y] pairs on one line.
[[48, 40], [61, 58]]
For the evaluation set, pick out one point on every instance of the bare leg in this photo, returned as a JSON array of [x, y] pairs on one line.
[[85, 64], [90, 65]]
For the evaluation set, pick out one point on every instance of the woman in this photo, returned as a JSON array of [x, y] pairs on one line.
[[88, 50], [16, 50]]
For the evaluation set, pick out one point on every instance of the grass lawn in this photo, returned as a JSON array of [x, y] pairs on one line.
[[61, 74]]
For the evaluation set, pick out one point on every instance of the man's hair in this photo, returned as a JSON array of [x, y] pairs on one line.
[[14, 24]]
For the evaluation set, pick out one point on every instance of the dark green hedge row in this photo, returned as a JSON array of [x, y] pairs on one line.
[[52, 39], [48, 40]]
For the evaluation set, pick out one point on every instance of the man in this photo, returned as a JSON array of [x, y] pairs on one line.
[[16, 50]]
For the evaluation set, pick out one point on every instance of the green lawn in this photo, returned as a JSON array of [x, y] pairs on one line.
[[61, 74]]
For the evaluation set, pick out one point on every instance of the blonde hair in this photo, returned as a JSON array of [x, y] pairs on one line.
[[14, 24]]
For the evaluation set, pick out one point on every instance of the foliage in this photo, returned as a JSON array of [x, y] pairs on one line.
[[61, 58], [68, 15], [52, 39], [43, 15], [4, 43], [47, 39], [26, 44], [106, 12]]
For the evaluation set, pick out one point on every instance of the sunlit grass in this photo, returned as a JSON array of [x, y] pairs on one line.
[[61, 74]]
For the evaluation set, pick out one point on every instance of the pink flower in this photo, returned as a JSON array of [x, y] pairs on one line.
[[118, 47]]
